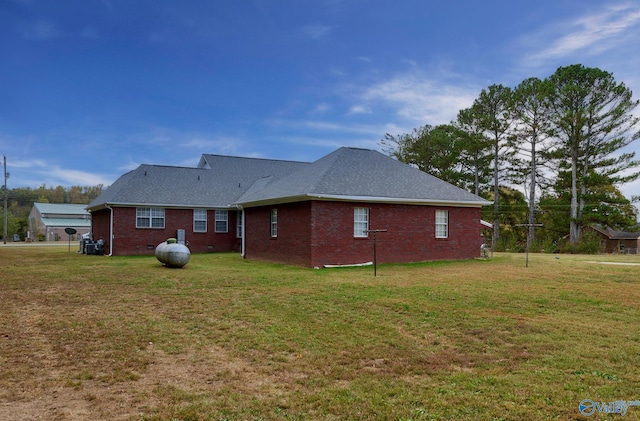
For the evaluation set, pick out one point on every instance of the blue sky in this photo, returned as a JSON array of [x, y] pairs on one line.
[[93, 88]]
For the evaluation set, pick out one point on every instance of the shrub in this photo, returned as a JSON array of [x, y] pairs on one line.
[[589, 243]]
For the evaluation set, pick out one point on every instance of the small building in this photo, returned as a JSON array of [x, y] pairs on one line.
[[303, 213], [47, 221], [615, 241]]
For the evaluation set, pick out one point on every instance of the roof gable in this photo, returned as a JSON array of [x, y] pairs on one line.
[[155, 185], [218, 182], [616, 234], [361, 174]]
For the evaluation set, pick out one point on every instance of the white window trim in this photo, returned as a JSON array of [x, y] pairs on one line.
[[442, 224], [274, 223], [239, 224], [222, 215], [198, 216], [358, 222], [149, 215]]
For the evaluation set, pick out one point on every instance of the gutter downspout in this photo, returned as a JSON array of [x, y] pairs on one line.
[[110, 231], [243, 232]]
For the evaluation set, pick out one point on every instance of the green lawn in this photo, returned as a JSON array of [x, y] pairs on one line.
[[123, 338]]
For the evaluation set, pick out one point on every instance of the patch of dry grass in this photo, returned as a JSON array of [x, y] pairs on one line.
[[123, 338]]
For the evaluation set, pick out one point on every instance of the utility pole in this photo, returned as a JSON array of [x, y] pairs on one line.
[[6, 196], [375, 252], [526, 250]]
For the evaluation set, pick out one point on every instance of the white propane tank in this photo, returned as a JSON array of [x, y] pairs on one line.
[[172, 254]]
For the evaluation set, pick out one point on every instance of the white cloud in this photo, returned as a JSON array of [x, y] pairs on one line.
[[364, 59], [589, 34], [34, 173], [418, 98], [359, 109], [32, 163], [325, 133], [321, 108], [67, 177], [316, 31]]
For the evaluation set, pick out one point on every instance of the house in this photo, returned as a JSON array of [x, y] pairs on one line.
[[614, 241], [309, 214], [47, 221]]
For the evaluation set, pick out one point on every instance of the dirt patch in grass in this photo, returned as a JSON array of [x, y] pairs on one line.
[[42, 381]]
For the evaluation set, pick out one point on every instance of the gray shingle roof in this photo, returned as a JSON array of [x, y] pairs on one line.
[[361, 174], [223, 181], [218, 184], [616, 234]]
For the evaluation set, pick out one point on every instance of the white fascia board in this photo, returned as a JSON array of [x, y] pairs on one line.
[[273, 201], [401, 200], [162, 205], [371, 199]]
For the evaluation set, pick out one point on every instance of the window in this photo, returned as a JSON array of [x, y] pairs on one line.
[[199, 220], [239, 224], [274, 223], [149, 217], [621, 246], [222, 221], [360, 222], [442, 224]]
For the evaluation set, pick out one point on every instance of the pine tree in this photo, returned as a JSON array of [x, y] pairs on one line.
[[593, 120]]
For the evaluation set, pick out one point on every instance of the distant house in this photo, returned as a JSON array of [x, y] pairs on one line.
[[47, 221], [614, 241], [308, 214]]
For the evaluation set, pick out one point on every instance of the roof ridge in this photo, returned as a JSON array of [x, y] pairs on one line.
[[167, 166], [316, 181], [255, 158]]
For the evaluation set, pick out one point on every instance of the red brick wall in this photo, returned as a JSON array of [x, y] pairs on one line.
[[100, 226], [129, 240], [312, 233], [415, 225], [613, 246], [317, 233], [294, 234]]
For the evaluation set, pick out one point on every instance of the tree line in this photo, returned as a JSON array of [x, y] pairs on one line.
[[21, 200], [548, 152]]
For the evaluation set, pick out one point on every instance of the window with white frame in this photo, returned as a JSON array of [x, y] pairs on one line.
[[442, 224], [274, 223], [222, 221], [149, 217], [239, 224], [199, 220], [360, 222]]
